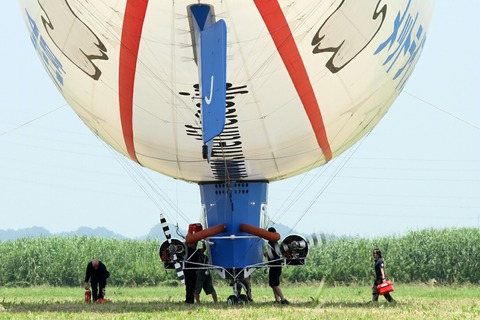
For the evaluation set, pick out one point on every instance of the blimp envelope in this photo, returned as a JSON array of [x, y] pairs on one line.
[[304, 80]]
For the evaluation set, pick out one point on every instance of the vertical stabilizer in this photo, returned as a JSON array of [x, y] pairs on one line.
[[210, 43]]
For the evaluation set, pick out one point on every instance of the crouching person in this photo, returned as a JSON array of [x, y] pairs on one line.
[[97, 274]]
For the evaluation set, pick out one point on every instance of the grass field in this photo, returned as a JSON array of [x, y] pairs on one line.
[[307, 302]]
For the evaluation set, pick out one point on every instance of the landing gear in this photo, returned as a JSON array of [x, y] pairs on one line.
[[242, 299], [237, 297], [234, 300]]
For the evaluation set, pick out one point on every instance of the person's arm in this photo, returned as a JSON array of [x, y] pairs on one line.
[[382, 271], [87, 276], [104, 270]]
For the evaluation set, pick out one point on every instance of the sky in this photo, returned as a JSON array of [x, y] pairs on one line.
[[419, 168]]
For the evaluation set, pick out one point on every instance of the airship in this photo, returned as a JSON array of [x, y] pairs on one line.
[[230, 95]]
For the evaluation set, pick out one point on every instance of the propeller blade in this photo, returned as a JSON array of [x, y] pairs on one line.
[[179, 270], [166, 229], [315, 239], [168, 236]]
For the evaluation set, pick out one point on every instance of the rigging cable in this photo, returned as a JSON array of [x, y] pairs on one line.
[[351, 152], [32, 120], [444, 111], [146, 184], [345, 160], [337, 171]]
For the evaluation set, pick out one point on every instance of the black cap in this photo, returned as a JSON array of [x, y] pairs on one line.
[[272, 229]]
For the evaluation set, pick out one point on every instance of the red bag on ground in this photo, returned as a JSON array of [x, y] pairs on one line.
[[385, 287]]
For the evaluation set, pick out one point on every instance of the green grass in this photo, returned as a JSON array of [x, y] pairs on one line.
[[307, 302]]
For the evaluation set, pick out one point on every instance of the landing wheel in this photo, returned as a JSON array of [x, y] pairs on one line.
[[232, 300], [242, 299]]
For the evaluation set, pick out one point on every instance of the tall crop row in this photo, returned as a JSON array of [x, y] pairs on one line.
[[446, 256], [61, 261]]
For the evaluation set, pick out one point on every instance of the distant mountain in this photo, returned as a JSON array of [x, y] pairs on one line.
[[89, 232], [33, 232], [155, 233]]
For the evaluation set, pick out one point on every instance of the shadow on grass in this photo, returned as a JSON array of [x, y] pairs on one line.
[[168, 306]]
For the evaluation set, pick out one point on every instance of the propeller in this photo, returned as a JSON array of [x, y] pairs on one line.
[[319, 239], [173, 249], [295, 249]]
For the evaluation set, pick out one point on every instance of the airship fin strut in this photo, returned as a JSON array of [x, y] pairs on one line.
[[210, 45]]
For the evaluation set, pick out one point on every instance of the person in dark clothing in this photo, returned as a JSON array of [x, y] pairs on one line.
[[204, 281], [190, 270], [248, 287], [97, 274], [380, 276], [275, 270]]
